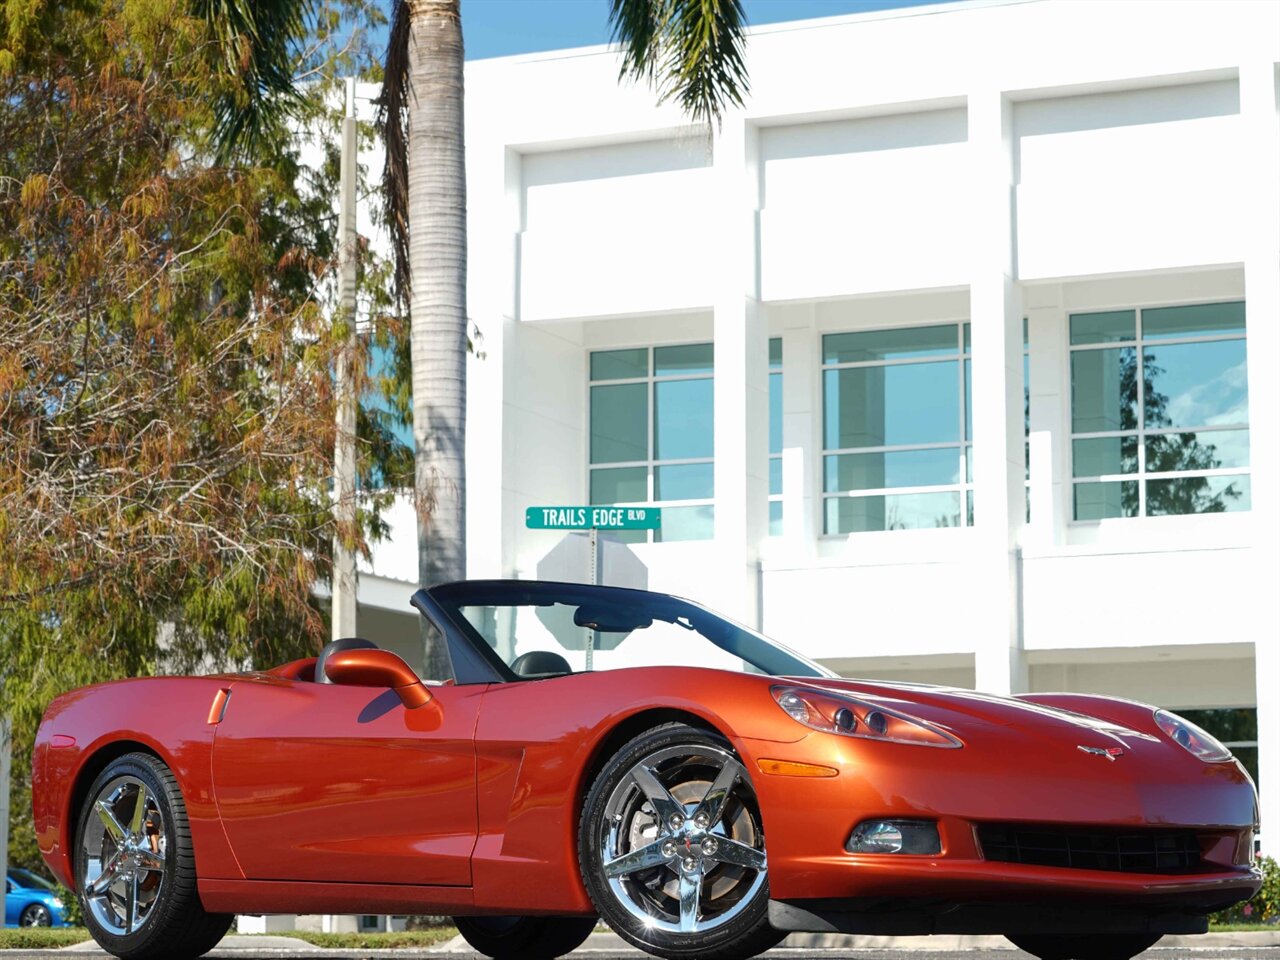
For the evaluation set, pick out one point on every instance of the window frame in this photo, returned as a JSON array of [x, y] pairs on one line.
[[651, 465], [964, 486], [1141, 432], [776, 371]]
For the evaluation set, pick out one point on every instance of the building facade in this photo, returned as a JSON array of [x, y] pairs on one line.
[[951, 357]]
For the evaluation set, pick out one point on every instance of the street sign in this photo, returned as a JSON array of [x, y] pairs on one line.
[[593, 518]]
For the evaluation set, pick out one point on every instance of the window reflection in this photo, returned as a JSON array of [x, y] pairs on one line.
[[893, 405], [896, 417], [652, 435], [775, 437], [1182, 433], [683, 426], [907, 511]]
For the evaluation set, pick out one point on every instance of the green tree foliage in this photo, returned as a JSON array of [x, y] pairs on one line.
[[691, 51], [166, 344]]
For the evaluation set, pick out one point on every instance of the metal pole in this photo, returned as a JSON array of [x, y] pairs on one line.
[[593, 547], [5, 747], [344, 458]]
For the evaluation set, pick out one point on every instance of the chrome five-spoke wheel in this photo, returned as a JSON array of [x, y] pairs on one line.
[[677, 847], [135, 865], [681, 848], [124, 844]]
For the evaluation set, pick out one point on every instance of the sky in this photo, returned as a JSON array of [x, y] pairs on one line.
[[499, 28]]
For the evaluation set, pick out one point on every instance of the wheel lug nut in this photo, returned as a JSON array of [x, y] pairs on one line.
[[701, 820], [668, 849], [690, 864], [676, 821], [710, 845]]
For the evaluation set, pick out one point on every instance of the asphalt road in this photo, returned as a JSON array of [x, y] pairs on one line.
[[780, 953]]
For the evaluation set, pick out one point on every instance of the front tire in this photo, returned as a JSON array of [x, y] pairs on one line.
[[135, 866], [531, 938], [671, 848], [36, 915], [1086, 946]]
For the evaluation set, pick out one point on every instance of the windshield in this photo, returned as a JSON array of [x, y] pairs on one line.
[[28, 880], [546, 629]]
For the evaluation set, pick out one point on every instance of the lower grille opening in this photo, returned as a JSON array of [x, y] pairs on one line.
[[1120, 851]]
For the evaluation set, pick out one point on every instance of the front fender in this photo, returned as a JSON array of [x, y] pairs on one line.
[[84, 729]]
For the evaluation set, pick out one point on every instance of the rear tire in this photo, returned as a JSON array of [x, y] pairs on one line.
[[1086, 946], [135, 867], [531, 938]]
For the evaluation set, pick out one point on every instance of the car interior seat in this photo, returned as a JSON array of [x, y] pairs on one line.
[[540, 663]]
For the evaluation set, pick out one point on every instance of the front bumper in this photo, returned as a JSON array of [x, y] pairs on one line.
[[816, 882]]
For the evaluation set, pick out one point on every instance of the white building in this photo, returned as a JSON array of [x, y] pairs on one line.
[[810, 336]]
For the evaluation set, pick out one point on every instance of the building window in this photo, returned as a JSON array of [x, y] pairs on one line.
[[1180, 443], [775, 437], [651, 435], [896, 429], [1237, 728]]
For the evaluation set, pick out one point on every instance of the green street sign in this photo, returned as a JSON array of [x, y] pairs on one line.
[[593, 518]]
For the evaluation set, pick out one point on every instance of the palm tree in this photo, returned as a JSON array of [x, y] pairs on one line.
[[254, 46], [690, 51]]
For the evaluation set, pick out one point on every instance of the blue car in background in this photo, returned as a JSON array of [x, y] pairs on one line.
[[31, 901]]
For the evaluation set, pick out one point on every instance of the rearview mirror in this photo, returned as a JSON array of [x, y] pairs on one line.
[[611, 619], [378, 668]]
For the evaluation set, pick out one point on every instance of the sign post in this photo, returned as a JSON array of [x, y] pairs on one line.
[[5, 748], [593, 520]]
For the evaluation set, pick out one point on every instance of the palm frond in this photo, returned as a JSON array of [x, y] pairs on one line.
[[393, 121], [692, 50], [254, 39]]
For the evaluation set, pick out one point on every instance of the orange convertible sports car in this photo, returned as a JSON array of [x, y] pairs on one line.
[[613, 753]]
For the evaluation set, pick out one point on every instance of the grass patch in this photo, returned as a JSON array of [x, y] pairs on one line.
[[1243, 928], [372, 941], [38, 938]]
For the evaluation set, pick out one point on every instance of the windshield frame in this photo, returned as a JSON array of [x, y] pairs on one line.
[[443, 605]]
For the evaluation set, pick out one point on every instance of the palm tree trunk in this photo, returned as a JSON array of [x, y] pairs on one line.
[[438, 304]]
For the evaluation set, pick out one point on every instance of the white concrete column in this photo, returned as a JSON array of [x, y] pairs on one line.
[[494, 217], [741, 372], [1050, 416], [998, 467], [800, 457], [1260, 115]]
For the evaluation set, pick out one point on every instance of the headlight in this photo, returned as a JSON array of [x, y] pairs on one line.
[[1190, 737], [57, 904], [849, 717]]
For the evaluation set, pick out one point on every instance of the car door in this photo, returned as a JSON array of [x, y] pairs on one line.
[[10, 903], [325, 782]]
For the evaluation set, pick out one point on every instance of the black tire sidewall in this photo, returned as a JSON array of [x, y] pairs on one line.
[[530, 938], [1121, 946], [745, 935]]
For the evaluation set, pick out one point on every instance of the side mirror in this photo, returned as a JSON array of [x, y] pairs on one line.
[[378, 668]]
